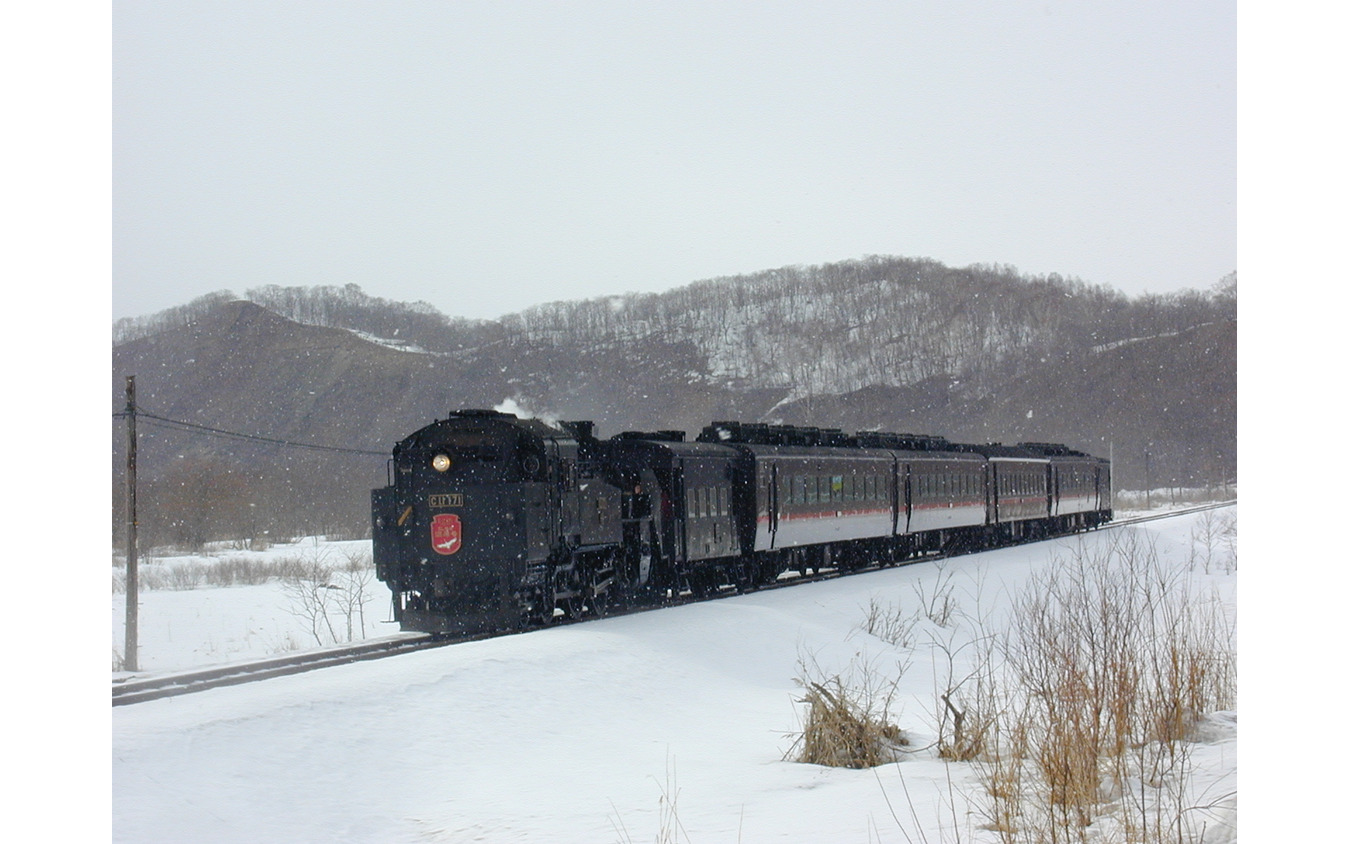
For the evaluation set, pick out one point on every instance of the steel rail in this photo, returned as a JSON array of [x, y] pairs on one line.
[[136, 690]]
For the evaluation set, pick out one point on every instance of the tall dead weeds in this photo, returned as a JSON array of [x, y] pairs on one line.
[[1108, 663]]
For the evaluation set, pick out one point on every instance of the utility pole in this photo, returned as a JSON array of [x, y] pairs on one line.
[[130, 661], [1148, 484], [1111, 472]]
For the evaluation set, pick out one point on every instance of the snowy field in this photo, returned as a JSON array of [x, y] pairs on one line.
[[185, 628], [671, 725]]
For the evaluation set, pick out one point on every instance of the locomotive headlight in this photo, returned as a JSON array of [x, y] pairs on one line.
[[441, 462]]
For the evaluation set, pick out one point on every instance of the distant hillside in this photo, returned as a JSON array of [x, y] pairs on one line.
[[979, 353]]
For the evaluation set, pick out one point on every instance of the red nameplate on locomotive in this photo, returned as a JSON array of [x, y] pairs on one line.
[[446, 535]]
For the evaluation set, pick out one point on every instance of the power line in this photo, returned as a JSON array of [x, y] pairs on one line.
[[192, 427]]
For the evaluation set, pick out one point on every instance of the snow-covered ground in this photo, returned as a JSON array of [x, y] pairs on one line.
[[197, 627], [666, 725]]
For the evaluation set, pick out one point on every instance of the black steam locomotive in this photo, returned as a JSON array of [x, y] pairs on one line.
[[493, 523]]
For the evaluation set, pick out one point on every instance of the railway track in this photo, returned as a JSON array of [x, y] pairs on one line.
[[1153, 517], [138, 690]]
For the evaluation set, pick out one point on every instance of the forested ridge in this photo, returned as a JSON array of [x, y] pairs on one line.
[[977, 353]]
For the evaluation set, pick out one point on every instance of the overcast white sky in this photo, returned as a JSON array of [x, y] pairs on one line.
[[484, 157]]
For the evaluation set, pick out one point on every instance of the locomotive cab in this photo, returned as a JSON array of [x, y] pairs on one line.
[[482, 512]]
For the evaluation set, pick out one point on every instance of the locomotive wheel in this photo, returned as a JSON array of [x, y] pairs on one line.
[[571, 606], [600, 597]]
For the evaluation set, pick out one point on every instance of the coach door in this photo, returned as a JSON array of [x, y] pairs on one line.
[[772, 498]]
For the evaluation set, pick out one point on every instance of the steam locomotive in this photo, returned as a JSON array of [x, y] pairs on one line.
[[491, 523]]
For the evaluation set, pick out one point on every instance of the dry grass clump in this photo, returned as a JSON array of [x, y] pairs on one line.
[[841, 733], [848, 723]]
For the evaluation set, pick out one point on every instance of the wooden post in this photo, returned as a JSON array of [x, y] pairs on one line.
[[130, 661]]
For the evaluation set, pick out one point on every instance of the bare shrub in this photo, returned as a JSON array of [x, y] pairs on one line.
[[291, 566], [1214, 542], [889, 623], [320, 592], [968, 706], [240, 571], [1001, 769], [351, 599], [848, 718], [938, 605], [151, 576], [1109, 661], [1229, 538], [183, 576], [310, 593]]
